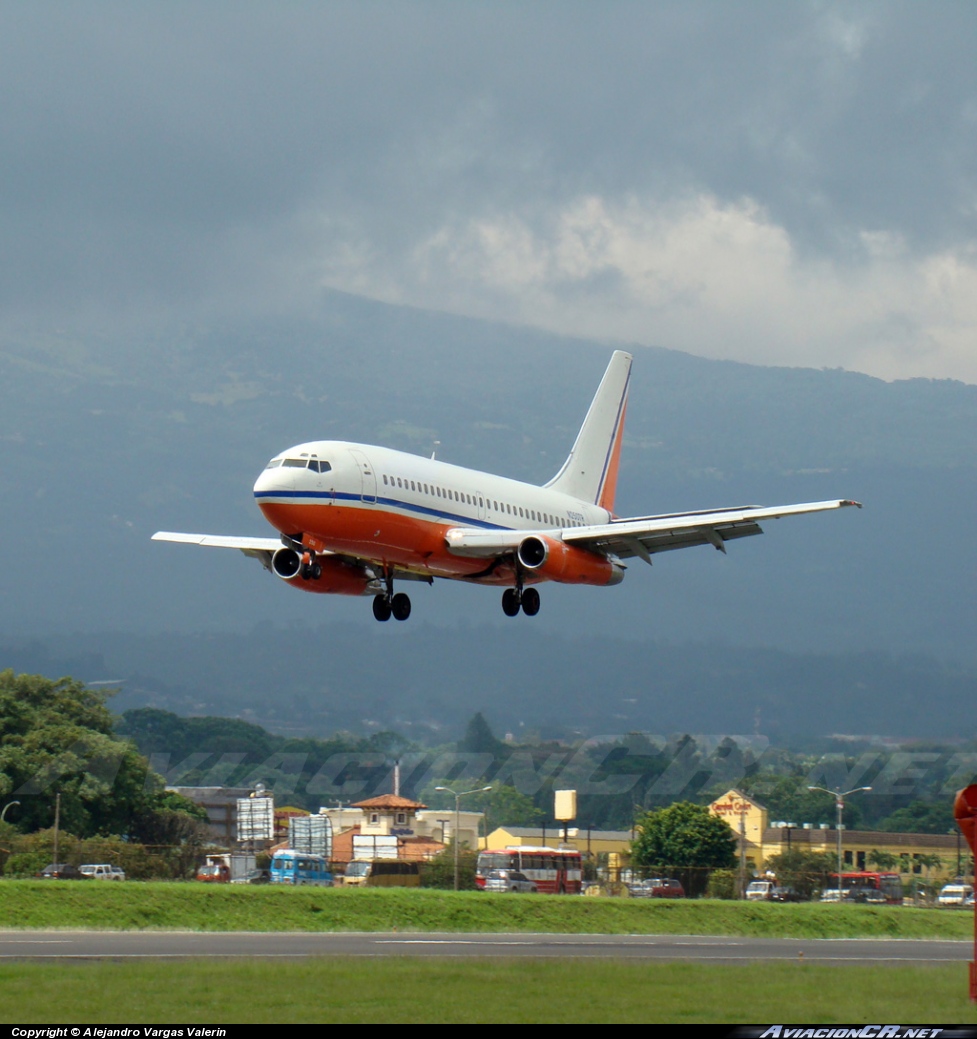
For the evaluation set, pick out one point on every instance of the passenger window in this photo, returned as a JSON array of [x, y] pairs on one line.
[[385, 479], [400, 483], [412, 487]]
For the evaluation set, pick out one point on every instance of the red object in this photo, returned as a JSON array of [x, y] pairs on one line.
[[965, 812], [214, 874]]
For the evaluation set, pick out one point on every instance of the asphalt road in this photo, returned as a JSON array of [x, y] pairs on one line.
[[61, 945]]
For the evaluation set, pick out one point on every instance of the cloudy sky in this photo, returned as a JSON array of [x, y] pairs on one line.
[[780, 183]]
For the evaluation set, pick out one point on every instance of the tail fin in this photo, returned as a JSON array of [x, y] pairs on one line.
[[590, 473]]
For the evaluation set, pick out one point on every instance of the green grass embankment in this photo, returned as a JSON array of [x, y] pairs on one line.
[[201, 907], [412, 989]]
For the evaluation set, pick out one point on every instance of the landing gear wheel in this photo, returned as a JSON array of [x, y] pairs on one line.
[[311, 571], [530, 602], [400, 606], [510, 602], [381, 608]]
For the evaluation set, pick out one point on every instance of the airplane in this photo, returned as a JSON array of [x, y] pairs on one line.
[[354, 518]]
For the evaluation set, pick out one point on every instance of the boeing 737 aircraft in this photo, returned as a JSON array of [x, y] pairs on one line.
[[354, 518]]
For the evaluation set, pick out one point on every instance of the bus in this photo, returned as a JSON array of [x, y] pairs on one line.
[[382, 873], [554, 871], [862, 886], [299, 867]]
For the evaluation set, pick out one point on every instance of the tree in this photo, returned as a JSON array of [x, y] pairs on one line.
[[884, 861], [439, 871], [921, 817], [807, 872], [56, 737], [479, 738], [686, 838]]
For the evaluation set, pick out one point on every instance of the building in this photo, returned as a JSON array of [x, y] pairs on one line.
[[749, 820], [220, 803], [418, 832], [590, 842]]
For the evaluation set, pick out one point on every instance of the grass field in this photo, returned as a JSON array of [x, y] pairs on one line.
[[201, 907], [442, 991]]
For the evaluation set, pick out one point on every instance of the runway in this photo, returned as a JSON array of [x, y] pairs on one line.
[[80, 945]]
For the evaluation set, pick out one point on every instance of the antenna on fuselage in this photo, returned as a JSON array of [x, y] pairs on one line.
[[437, 444]]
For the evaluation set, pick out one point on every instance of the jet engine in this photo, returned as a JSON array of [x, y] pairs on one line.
[[336, 577], [554, 560]]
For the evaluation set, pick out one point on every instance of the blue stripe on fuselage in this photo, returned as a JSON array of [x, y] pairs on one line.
[[423, 510]]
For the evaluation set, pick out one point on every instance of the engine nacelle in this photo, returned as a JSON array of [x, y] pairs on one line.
[[336, 577], [554, 560]]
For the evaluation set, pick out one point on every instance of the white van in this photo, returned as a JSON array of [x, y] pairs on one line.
[[101, 871], [954, 894]]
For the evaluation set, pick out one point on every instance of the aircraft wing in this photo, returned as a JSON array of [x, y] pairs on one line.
[[641, 536], [261, 549], [645, 536]]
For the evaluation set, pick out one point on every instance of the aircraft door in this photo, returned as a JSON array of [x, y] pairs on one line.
[[368, 478]]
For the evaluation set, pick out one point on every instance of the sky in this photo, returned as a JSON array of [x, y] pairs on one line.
[[784, 184]]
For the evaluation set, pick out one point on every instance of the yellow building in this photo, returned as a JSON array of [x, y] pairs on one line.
[[749, 820]]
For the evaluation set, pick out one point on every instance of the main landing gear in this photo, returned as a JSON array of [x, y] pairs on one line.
[[526, 598], [310, 569], [388, 604]]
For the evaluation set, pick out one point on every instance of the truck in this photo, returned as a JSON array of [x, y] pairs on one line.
[[101, 871]]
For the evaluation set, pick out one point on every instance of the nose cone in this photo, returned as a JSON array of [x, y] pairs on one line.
[[271, 480]]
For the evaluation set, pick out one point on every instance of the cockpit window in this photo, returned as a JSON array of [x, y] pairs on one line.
[[319, 467], [274, 463], [295, 463]]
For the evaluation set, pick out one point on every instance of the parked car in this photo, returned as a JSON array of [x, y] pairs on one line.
[[102, 871], [508, 880], [968, 902], [254, 876], [786, 894], [62, 871], [954, 894], [217, 873], [658, 887], [760, 890]]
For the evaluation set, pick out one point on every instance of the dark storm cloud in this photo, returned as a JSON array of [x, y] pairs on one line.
[[181, 152]]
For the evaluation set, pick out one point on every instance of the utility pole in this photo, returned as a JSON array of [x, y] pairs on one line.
[[57, 820], [840, 806], [458, 797]]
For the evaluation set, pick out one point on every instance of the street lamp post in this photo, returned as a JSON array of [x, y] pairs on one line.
[[458, 797], [839, 797]]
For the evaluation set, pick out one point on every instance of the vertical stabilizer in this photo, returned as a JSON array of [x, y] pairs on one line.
[[590, 473]]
